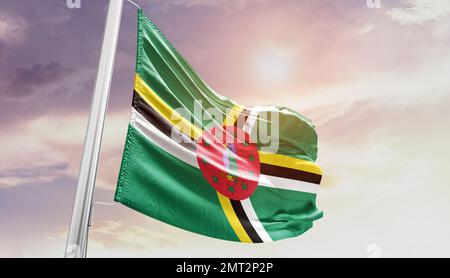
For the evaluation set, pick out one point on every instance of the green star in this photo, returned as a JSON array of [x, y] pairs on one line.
[[251, 158], [244, 186], [215, 179], [231, 189]]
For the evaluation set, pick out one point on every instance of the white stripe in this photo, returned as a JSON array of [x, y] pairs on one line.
[[254, 220], [166, 143], [187, 156]]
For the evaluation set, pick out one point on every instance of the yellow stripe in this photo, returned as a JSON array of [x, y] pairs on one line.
[[233, 219], [224, 201], [165, 110], [289, 162], [232, 117]]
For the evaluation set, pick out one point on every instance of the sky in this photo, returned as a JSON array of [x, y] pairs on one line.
[[375, 82]]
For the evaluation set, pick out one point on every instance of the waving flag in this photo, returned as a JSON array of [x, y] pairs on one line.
[[197, 160]]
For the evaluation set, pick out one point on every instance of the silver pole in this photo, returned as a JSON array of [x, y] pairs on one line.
[[79, 224]]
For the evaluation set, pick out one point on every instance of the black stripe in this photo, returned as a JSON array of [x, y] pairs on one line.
[[158, 121], [289, 173], [239, 210]]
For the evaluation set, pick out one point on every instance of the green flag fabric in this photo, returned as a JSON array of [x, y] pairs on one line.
[[177, 168]]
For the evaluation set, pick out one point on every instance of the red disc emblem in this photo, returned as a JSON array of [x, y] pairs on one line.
[[229, 161]]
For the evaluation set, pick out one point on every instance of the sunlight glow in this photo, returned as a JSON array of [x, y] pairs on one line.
[[273, 66]]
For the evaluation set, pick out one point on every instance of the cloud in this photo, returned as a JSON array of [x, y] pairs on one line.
[[384, 142], [366, 28], [372, 119], [421, 11], [117, 233], [58, 15], [112, 237], [27, 80], [41, 174], [12, 29], [404, 85], [49, 147]]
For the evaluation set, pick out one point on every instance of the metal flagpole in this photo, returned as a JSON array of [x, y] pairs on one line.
[[79, 224]]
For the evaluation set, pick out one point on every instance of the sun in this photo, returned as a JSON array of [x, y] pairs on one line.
[[273, 66]]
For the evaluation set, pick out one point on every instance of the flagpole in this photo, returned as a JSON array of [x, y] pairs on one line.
[[79, 225]]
